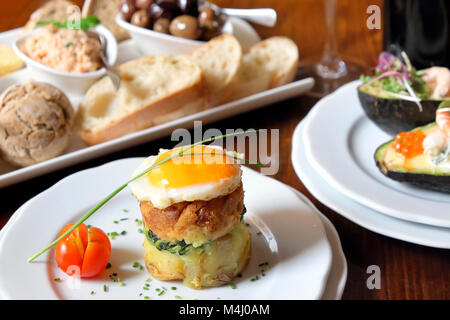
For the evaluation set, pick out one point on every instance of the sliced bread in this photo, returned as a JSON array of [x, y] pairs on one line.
[[220, 61], [267, 64], [57, 10], [106, 11], [153, 90]]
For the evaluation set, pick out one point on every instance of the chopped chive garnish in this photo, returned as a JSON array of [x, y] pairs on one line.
[[140, 230], [122, 284], [123, 219], [123, 233], [180, 153], [57, 279], [161, 293], [173, 288], [146, 297], [88, 226], [157, 289], [148, 280], [145, 288], [233, 286], [178, 297], [92, 293], [254, 279], [125, 210], [105, 288], [68, 44], [115, 221]]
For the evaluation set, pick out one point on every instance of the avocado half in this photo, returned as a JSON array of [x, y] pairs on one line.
[[396, 115], [422, 177]]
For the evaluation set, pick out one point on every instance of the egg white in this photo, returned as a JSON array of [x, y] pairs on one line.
[[162, 198]]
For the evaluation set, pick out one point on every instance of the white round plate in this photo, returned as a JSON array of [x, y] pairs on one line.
[[338, 273], [370, 219], [340, 142], [286, 232]]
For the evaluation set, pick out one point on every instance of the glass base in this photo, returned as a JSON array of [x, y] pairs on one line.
[[327, 81], [332, 70]]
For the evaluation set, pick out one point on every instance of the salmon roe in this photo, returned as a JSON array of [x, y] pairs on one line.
[[409, 144]]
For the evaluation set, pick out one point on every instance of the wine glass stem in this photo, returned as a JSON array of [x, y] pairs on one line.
[[330, 49], [331, 65]]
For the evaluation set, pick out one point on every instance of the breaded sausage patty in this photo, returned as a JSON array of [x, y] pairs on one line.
[[195, 222]]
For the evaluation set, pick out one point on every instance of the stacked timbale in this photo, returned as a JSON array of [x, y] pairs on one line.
[[192, 208]]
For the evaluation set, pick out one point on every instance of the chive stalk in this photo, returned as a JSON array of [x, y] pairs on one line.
[[119, 189]]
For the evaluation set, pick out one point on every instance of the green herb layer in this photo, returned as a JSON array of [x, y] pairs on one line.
[[177, 247]]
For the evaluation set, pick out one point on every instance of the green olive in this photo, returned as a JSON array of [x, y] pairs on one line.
[[140, 18], [185, 26], [161, 25]]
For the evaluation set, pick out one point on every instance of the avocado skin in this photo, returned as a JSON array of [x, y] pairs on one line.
[[437, 182], [397, 115], [427, 181]]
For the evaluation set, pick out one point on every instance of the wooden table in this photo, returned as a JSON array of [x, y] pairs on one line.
[[408, 271]]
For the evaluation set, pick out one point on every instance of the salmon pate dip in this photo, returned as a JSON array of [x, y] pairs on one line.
[[64, 49]]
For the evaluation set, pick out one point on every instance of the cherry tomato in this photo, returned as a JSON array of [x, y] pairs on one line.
[[410, 144], [86, 249]]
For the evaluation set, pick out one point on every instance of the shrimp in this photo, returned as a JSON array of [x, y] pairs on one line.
[[438, 81], [434, 142], [439, 137], [443, 120]]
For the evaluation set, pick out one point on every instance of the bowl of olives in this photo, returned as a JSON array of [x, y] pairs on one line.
[[170, 26]]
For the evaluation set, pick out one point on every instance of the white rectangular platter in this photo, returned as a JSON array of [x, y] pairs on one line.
[[78, 152]]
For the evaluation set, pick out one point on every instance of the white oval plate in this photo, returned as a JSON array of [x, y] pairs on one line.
[[286, 232], [340, 142], [365, 217]]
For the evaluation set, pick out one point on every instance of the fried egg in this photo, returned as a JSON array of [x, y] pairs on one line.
[[202, 173]]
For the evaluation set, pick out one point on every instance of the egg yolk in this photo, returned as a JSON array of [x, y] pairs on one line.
[[197, 165]]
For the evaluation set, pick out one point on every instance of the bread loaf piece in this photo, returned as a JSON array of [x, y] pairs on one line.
[[153, 90], [106, 11], [220, 61], [267, 64], [55, 10]]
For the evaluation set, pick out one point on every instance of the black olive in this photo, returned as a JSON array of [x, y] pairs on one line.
[[164, 9], [188, 7], [127, 8]]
